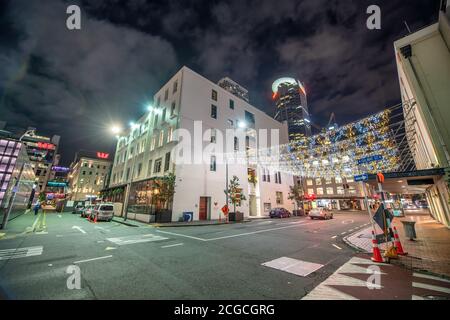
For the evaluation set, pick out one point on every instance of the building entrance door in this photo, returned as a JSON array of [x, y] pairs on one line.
[[253, 209], [204, 208]]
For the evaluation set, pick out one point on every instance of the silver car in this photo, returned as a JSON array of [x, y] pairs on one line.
[[103, 212], [321, 213]]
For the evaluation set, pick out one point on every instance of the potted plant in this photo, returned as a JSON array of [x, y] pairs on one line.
[[236, 196]]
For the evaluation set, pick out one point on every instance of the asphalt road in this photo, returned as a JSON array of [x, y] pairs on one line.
[[207, 262]]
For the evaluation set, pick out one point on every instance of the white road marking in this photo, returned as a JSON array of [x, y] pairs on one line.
[[426, 276], [42, 232], [35, 222], [59, 216], [239, 234], [343, 233], [110, 248], [297, 267], [181, 235], [172, 245], [348, 221], [101, 228], [337, 247], [259, 231], [21, 252], [333, 237], [93, 259], [79, 229], [430, 287], [135, 239]]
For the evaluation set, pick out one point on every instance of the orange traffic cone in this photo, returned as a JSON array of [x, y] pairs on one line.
[[376, 250], [398, 244], [95, 219]]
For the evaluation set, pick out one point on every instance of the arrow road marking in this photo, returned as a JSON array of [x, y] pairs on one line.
[[172, 245], [337, 247], [79, 229]]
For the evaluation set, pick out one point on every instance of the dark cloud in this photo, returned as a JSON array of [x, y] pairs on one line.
[[74, 83]]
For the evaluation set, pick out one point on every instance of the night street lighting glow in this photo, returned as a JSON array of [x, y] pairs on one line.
[[242, 124], [116, 129]]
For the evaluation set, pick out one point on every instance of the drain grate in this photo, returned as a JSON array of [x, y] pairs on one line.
[[294, 266]]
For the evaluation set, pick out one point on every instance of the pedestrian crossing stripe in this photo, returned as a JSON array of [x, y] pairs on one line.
[[7, 254]]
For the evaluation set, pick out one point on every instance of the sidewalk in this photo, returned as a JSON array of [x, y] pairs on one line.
[[430, 252]]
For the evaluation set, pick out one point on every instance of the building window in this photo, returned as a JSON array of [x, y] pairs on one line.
[[310, 191], [158, 102], [338, 180], [166, 95], [161, 138], [139, 169], [236, 144], [231, 104], [172, 109], [153, 144], [230, 122], [330, 190], [278, 177], [214, 95], [156, 120], [175, 86], [213, 135], [249, 118], [309, 182], [149, 169], [163, 117], [128, 174], [167, 162], [157, 167], [279, 197], [319, 191], [318, 181], [170, 135], [212, 166], [213, 111], [340, 190]]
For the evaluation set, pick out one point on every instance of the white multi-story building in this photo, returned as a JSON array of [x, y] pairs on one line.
[[88, 174], [193, 104]]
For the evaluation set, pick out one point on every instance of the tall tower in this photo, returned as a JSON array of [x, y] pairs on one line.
[[289, 95]]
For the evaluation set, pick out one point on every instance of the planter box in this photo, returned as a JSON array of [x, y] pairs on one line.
[[236, 216], [163, 216]]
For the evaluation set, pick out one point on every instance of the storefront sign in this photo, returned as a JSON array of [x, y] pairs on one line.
[[46, 146], [370, 159], [362, 177], [102, 155], [60, 169]]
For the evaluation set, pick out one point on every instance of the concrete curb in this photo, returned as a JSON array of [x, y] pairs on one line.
[[125, 223]]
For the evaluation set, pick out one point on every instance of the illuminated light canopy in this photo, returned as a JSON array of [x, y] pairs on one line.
[[288, 80]]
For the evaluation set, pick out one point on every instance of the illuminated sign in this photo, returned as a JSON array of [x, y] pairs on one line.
[[102, 155], [60, 169], [56, 184], [46, 146]]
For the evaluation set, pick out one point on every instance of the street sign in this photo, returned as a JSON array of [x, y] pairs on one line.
[[370, 159], [362, 177], [225, 209]]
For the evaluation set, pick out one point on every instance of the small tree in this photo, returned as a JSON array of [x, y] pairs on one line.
[[166, 186], [296, 194], [42, 197], [235, 193]]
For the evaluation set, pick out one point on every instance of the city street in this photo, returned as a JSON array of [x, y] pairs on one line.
[[207, 262]]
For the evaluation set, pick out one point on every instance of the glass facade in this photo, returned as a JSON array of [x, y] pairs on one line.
[[12, 158]]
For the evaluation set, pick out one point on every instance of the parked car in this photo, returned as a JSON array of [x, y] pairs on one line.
[[78, 209], [103, 212], [86, 212], [321, 213], [279, 213]]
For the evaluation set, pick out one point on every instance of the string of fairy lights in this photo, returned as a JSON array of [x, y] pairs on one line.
[[336, 153]]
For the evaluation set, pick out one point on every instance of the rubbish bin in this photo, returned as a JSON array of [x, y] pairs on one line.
[[188, 216], [410, 229]]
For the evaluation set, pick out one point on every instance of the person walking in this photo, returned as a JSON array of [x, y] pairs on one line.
[[36, 207]]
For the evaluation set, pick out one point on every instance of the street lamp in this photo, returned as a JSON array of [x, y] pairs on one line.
[[116, 129]]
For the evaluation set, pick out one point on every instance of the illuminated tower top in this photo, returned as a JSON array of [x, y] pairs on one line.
[[289, 95]]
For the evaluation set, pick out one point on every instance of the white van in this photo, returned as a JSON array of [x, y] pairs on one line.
[[103, 211]]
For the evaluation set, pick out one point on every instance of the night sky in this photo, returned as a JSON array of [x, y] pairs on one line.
[[76, 83]]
